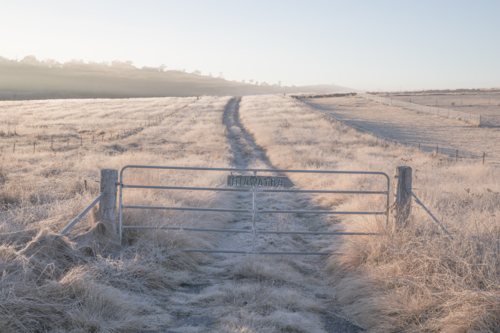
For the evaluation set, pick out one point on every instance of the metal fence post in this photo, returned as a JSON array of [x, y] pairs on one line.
[[402, 200], [107, 206]]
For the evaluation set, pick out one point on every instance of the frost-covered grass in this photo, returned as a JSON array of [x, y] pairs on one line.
[[416, 129], [88, 282], [486, 104], [409, 279], [413, 279]]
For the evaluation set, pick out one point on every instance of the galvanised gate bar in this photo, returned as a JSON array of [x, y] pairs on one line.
[[253, 186]]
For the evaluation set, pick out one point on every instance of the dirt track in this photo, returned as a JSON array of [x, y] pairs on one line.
[[257, 293]]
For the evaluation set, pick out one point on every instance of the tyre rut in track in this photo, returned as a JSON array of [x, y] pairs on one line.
[[261, 293], [246, 152]]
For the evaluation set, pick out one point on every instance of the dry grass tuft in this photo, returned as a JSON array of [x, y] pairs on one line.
[[44, 287], [262, 307], [51, 251], [268, 270]]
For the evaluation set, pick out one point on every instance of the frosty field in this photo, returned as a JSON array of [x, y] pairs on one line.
[[485, 103], [415, 128], [411, 279]]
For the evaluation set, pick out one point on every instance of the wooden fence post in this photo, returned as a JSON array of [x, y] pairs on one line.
[[107, 205], [402, 200]]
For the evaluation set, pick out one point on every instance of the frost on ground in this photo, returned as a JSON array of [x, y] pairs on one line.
[[414, 128], [485, 103], [412, 279], [258, 293], [409, 279], [89, 282]]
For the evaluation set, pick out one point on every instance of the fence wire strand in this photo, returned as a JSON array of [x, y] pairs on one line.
[[417, 200], [446, 113]]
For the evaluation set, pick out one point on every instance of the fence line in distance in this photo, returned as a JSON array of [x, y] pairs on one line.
[[445, 113]]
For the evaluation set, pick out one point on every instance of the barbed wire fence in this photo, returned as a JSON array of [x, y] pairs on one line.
[[445, 152], [417, 203], [47, 143], [77, 141], [449, 154], [470, 118]]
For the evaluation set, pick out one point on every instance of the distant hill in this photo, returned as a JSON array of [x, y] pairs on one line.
[[32, 79]]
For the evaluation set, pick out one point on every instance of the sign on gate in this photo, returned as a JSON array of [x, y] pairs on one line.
[[259, 181]]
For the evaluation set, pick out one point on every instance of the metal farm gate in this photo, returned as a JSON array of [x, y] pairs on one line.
[[254, 184]]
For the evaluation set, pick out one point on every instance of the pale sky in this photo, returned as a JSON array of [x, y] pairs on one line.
[[386, 45]]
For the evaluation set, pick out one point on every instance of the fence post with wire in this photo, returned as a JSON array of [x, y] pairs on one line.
[[403, 199], [106, 200], [446, 113]]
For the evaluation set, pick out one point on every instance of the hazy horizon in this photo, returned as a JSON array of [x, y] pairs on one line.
[[361, 45]]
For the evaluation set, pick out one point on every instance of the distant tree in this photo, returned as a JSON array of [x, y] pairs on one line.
[[51, 63], [98, 65], [251, 80], [210, 74], [122, 64], [197, 72], [162, 67], [75, 63], [265, 84], [149, 69], [30, 60], [279, 83], [256, 83], [242, 81]]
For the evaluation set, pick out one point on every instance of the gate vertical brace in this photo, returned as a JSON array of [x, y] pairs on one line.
[[253, 214], [120, 207], [388, 209]]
